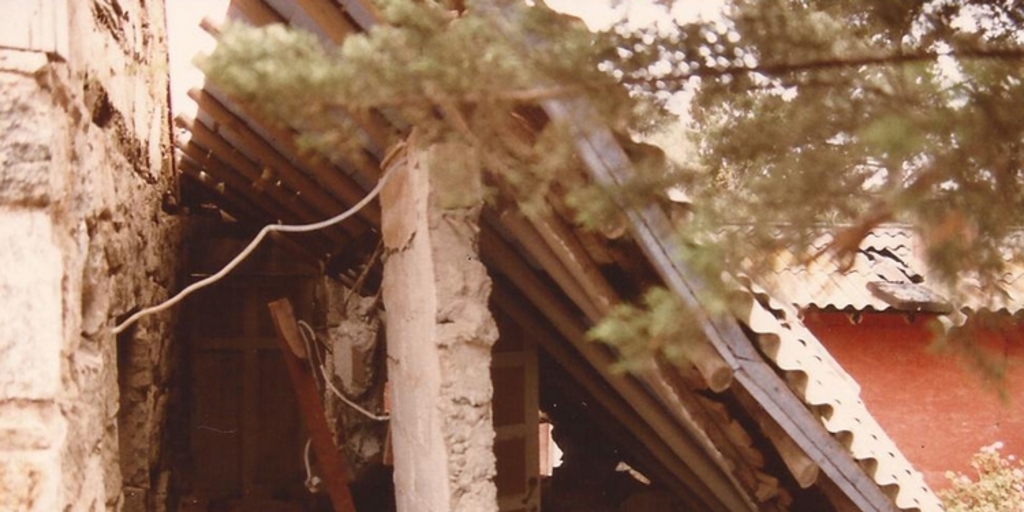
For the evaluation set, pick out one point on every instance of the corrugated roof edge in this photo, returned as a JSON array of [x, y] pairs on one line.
[[824, 386]]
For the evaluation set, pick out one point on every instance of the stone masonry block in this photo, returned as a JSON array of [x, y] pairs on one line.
[[27, 135], [31, 271], [29, 481], [30, 425]]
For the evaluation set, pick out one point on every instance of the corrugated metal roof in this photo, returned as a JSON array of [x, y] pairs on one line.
[[825, 387], [888, 254]]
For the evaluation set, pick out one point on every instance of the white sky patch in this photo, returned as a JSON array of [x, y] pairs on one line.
[[186, 40], [602, 14]]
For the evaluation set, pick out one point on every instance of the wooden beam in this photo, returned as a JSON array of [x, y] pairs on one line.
[[336, 181], [257, 12], [440, 333], [526, 235], [609, 165], [804, 470], [559, 238], [206, 161], [268, 159], [329, 18], [332, 466], [235, 160], [573, 257], [230, 200], [380, 134], [201, 158]]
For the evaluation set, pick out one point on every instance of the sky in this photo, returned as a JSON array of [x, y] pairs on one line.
[[601, 14]]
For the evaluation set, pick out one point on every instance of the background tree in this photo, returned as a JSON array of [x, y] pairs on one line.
[[840, 116], [809, 115]]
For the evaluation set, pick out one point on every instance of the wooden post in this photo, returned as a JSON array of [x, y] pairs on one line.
[[439, 333], [332, 466]]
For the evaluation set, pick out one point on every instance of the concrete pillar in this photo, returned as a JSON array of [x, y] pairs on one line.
[[439, 333]]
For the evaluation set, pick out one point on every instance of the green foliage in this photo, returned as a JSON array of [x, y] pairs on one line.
[[817, 115], [999, 486], [660, 324], [454, 77]]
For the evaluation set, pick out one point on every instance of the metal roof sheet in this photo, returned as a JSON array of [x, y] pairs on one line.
[[888, 254], [824, 386]]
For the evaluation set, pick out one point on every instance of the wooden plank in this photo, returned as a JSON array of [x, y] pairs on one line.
[[329, 18], [329, 460], [380, 134], [193, 154], [257, 12], [233, 202], [527, 235], [310, 194]]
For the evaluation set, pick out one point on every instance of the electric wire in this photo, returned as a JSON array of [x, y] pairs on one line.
[[307, 331], [284, 228], [312, 480]]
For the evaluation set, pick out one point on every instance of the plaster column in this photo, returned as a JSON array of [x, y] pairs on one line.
[[439, 332]]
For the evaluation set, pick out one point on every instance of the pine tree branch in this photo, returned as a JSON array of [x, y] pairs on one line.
[[528, 95], [1007, 54]]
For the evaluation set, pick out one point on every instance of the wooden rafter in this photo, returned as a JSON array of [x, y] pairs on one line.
[[236, 161], [336, 181], [268, 157], [257, 12], [206, 161], [235, 203], [379, 133]]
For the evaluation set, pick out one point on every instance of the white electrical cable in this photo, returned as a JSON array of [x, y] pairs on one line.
[[312, 481], [285, 228], [337, 392], [307, 332]]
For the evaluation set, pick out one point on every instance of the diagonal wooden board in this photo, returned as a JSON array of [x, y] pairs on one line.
[[329, 460]]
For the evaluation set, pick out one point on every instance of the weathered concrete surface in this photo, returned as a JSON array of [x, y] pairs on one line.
[[83, 150], [439, 339], [353, 331]]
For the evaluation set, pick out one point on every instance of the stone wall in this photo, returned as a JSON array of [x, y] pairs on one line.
[[84, 176]]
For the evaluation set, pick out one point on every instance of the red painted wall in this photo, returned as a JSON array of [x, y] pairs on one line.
[[937, 411]]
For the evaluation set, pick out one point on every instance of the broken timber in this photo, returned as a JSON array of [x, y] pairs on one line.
[[332, 467]]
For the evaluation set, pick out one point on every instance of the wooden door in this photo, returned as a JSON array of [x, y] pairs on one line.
[[245, 433]]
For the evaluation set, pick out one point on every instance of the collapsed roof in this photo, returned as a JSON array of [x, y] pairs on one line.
[[761, 387]]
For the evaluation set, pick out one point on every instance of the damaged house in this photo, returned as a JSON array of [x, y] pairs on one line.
[[403, 358]]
